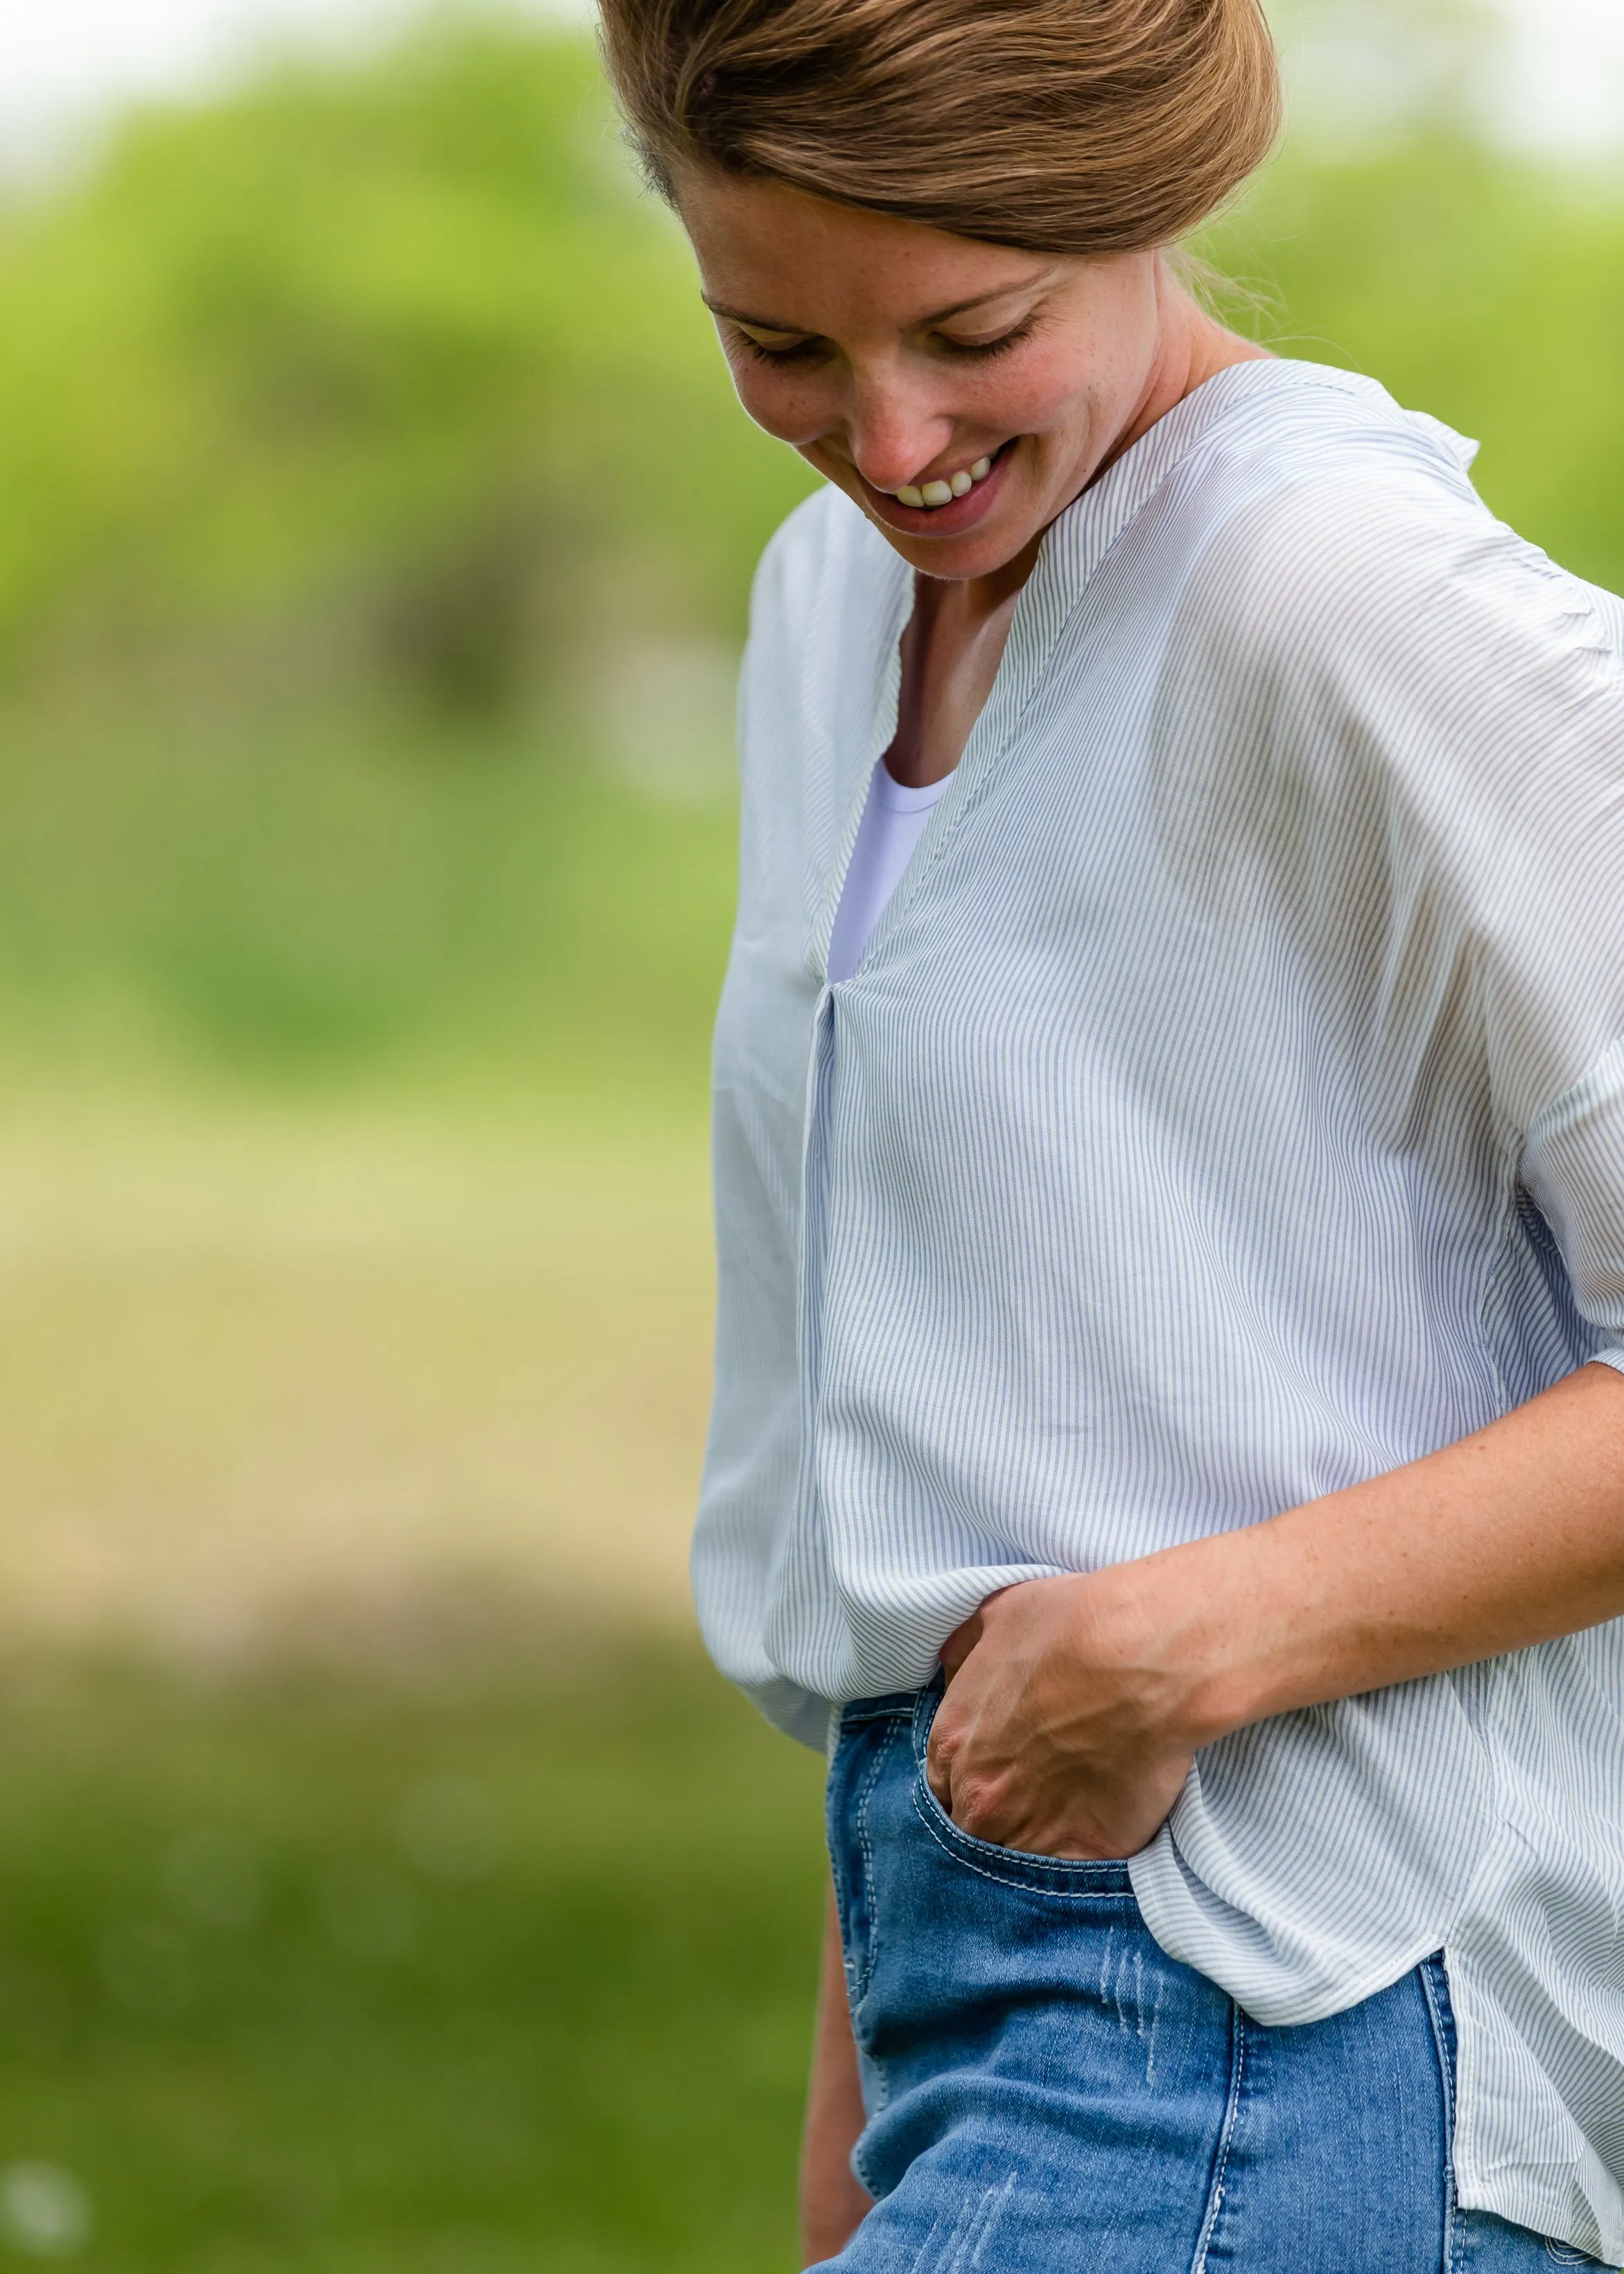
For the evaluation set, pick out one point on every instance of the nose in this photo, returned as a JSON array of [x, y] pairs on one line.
[[893, 433]]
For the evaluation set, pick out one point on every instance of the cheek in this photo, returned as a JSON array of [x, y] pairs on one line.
[[1044, 396], [789, 407], [1067, 396]]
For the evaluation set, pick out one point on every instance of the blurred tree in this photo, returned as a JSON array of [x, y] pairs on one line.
[[392, 361], [388, 370], [387, 377], [1486, 290]]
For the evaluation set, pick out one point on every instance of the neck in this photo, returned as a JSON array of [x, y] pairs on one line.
[[1192, 348]]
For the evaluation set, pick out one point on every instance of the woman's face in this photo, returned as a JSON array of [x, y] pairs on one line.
[[911, 367]]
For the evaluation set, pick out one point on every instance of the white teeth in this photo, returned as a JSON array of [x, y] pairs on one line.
[[931, 495]]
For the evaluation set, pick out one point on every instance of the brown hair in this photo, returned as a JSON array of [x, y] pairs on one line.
[[1075, 126]]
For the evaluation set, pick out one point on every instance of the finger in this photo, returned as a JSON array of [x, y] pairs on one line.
[[938, 1776]]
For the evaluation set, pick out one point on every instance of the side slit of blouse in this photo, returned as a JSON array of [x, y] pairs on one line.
[[1229, 1106]]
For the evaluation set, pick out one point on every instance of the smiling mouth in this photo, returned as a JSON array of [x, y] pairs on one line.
[[930, 497]]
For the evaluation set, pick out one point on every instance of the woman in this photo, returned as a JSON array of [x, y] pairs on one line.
[[1168, 1433]]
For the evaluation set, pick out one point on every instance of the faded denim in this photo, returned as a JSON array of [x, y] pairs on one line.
[[1048, 2093]]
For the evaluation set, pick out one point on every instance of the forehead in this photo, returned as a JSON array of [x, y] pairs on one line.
[[773, 253]]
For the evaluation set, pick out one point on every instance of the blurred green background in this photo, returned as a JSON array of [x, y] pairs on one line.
[[384, 1881]]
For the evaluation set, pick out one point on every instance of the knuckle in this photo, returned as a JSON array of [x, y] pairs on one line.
[[945, 1746], [975, 1806]]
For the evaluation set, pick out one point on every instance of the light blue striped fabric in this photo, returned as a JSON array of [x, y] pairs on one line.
[[1229, 1106]]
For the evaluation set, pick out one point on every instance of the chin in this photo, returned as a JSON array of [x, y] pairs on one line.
[[978, 552]]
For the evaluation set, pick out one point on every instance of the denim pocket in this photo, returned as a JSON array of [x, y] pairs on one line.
[[873, 1735], [1010, 1867]]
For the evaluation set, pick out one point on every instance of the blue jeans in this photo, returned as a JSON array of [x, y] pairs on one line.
[[1048, 2093]]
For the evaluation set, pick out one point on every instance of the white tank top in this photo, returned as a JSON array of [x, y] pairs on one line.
[[892, 824]]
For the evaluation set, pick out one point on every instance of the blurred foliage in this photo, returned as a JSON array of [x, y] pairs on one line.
[[393, 360], [1484, 290], [348, 892], [362, 438], [391, 369], [354, 433], [330, 1971]]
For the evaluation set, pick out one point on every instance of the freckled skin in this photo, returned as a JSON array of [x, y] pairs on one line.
[[875, 397], [1053, 367], [1075, 1705]]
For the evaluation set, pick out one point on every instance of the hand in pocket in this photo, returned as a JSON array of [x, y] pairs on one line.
[[1062, 1732]]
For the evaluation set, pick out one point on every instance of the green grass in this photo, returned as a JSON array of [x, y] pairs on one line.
[[350, 428], [323, 1971], [359, 899]]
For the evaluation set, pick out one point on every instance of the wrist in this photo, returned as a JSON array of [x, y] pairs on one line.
[[1194, 1620]]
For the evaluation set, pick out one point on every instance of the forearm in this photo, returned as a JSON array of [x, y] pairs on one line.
[[832, 2203], [1077, 1704], [1511, 1538]]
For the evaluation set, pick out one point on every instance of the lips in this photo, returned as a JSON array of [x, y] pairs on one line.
[[963, 509]]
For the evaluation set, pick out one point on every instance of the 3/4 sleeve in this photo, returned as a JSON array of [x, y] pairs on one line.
[[1515, 789], [1573, 1167], [1422, 681]]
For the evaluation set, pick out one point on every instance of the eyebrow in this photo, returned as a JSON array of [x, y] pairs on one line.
[[939, 316]]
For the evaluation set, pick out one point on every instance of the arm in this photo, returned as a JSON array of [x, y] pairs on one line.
[[1076, 1705], [833, 2202]]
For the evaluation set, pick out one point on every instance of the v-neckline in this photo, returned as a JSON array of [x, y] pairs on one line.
[[1072, 549]]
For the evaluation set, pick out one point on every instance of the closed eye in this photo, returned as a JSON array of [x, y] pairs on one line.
[[812, 349], [807, 350], [983, 351]]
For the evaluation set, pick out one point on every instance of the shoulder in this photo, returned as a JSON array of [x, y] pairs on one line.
[[1608, 610], [1317, 515], [1361, 587], [1344, 532], [1383, 702], [1351, 609]]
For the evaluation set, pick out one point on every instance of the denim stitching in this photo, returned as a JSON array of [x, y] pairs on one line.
[[837, 1877], [1022, 1886], [863, 1712], [1443, 2038], [1060, 1865], [858, 1980], [955, 1840], [1226, 2140], [926, 1707]]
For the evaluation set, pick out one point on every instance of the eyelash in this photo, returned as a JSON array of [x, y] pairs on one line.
[[807, 350], [801, 353], [986, 348]]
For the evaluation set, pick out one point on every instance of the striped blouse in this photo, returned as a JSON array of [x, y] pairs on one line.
[[1228, 1106]]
